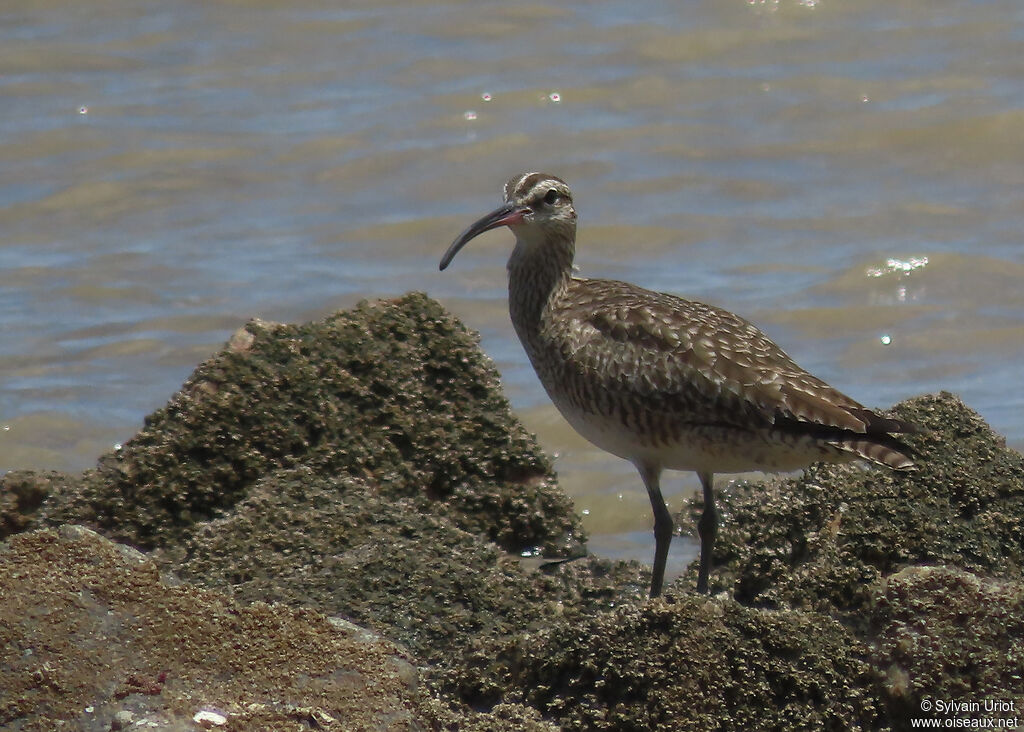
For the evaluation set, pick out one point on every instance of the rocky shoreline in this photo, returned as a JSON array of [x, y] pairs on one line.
[[322, 530]]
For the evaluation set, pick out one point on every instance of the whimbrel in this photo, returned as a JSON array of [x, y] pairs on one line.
[[664, 382]]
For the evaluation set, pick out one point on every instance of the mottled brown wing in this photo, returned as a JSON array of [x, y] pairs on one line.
[[703, 363]]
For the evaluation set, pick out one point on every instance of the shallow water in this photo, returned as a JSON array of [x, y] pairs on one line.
[[846, 175]]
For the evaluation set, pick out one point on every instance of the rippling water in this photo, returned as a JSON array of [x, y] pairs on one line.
[[847, 175]]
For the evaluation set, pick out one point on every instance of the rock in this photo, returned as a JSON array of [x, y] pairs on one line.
[[826, 538], [367, 466], [942, 633], [395, 392], [87, 624], [24, 492], [694, 663], [344, 547], [364, 476], [122, 720]]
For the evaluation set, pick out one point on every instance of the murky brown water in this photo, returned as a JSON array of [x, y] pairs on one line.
[[171, 170]]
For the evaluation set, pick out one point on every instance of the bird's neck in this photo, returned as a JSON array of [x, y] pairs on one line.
[[538, 272]]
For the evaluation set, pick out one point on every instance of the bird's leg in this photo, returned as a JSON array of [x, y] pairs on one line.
[[651, 475], [707, 527]]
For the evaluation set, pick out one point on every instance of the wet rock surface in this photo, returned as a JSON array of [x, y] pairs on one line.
[[332, 516]]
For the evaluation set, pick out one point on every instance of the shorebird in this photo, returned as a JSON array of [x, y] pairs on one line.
[[665, 382]]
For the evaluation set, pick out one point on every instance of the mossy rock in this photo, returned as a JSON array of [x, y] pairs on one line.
[[824, 539], [943, 634], [89, 632], [395, 392], [340, 545], [693, 664]]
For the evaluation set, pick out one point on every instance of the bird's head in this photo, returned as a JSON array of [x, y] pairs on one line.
[[538, 208]]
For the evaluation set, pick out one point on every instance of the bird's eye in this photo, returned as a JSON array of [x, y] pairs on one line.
[[551, 196]]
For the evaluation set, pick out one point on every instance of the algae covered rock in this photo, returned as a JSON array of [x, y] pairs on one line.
[[92, 638], [346, 548], [823, 539], [367, 468], [696, 663], [943, 634], [23, 492], [395, 392]]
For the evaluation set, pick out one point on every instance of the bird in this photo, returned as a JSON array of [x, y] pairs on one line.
[[665, 382]]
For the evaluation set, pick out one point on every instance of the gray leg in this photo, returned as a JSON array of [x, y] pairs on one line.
[[707, 527], [663, 527]]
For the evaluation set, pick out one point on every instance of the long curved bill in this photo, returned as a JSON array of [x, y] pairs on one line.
[[506, 215]]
